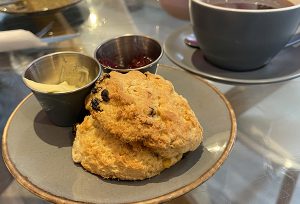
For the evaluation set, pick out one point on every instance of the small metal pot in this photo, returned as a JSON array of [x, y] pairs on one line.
[[121, 51], [62, 108]]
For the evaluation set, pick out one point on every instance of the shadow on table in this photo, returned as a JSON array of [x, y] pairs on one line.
[[22, 199], [12, 91]]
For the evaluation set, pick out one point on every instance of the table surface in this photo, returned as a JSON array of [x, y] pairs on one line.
[[264, 164]]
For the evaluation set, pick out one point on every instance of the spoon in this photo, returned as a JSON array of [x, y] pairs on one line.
[[191, 41], [45, 30]]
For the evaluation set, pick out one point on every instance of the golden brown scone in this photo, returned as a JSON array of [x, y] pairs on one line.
[[144, 108], [106, 155]]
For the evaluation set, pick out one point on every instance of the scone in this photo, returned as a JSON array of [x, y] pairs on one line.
[[106, 155], [144, 108]]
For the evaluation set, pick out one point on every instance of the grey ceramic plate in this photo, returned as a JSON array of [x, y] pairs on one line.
[[38, 154], [284, 66], [20, 8]]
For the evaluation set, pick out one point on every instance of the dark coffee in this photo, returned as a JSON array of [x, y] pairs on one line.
[[254, 5]]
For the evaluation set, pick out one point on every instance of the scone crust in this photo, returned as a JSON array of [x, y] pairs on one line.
[[105, 155], [144, 108]]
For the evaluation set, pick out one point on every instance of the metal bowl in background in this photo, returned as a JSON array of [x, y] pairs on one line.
[[120, 53], [63, 108]]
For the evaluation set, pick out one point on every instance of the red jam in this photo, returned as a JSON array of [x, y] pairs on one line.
[[108, 63], [136, 62], [139, 61]]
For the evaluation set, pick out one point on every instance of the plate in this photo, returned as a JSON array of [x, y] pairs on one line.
[[45, 6], [284, 66], [38, 154]]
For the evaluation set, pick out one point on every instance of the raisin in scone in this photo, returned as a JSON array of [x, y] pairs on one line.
[[144, 108], [109, 157]]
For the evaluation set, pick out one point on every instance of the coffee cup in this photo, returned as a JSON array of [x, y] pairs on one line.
[[243, 35]]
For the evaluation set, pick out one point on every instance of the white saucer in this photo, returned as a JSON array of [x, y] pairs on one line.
[[284, 66]]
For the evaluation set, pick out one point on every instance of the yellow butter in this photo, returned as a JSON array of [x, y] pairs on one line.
[[50, 88]]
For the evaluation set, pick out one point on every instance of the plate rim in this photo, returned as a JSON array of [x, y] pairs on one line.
[[220, 78], [53, 10], [163, 198]]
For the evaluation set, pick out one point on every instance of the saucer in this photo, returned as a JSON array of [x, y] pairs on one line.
[[284, 66]]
